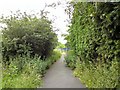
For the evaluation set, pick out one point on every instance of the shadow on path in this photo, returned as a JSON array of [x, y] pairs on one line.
[[60, 76]]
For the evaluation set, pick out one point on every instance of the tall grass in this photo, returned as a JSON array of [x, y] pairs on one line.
[[21, 73], [70, 59], [26, 72], [99, 75]]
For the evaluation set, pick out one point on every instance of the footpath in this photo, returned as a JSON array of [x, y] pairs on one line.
[[60, 76]]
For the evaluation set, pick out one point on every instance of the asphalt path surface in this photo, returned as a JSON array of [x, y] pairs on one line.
[[60, 76]]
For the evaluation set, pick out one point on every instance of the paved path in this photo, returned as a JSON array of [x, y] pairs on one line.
[[59, 76]]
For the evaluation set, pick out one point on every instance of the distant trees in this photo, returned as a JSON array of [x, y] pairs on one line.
[[60, 45]]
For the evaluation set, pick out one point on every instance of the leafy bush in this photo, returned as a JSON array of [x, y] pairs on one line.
[[99, 76], [16, 75], [70, 59], [26, 72], [60, 45], [53, 58], [26, 33]]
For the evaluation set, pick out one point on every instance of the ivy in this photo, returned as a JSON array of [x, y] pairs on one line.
[[94, 34]]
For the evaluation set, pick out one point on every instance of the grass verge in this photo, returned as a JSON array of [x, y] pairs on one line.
[[26, 72], [99, 75]]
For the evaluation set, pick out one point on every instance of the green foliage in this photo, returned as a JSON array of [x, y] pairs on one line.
[[0, 61], [27, 72], [53, 58], [16, 77], [60, 45], [0, 78], [26, 33], [94, 33], [70, 59], [94, 37], [99, 76], [28, 50], [80, 30]]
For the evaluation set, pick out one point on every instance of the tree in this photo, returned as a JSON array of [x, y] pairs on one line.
[[60, 45], [27, 34]]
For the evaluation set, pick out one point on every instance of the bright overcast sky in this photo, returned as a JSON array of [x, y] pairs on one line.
[[36, 5]]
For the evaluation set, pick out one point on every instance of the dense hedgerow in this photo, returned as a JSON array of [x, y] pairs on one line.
[[94, 37], [94, 33]]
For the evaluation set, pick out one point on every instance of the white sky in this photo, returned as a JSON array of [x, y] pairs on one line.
[[36, 5]]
